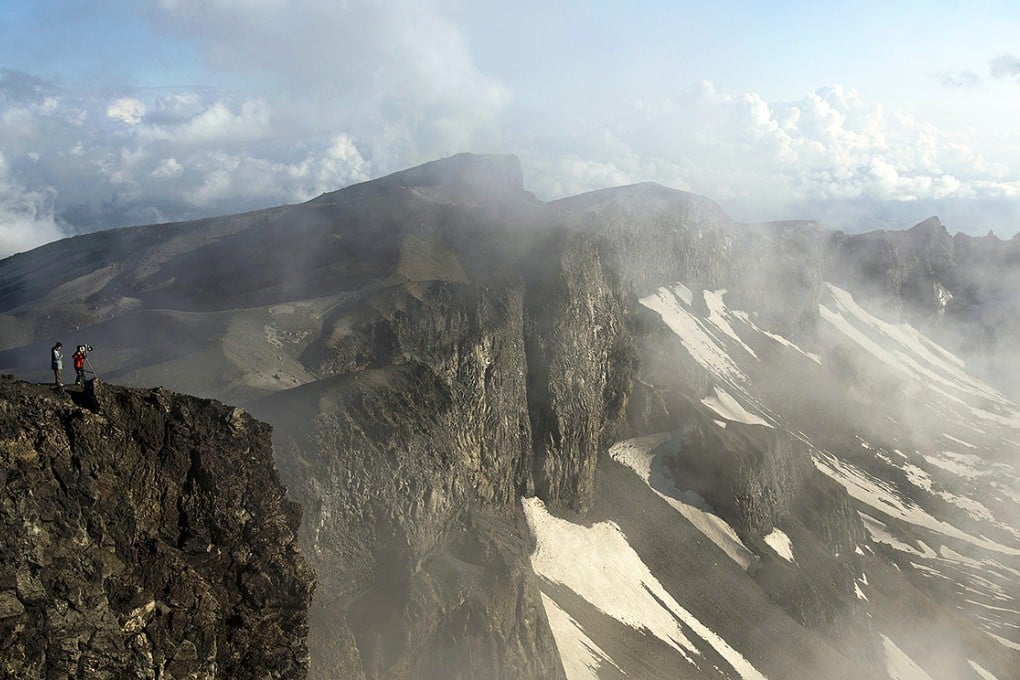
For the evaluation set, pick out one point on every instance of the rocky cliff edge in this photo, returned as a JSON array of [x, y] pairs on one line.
[[144, 534]]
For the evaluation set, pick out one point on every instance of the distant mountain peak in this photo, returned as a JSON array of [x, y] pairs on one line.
[[495, 169], [484, 174], [932, 226]]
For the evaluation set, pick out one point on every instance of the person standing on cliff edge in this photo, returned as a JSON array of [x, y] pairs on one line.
[[57, 362], [79, 365]]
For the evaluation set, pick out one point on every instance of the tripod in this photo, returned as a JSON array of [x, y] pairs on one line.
[[90, 369]]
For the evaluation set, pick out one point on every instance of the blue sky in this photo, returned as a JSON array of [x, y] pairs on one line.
[[874, 115]]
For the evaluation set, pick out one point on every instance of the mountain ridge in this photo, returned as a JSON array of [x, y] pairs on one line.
[[430, 355]]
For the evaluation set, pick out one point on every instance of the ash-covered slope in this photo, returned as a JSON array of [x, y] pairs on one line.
[[617, 434], [144, 534]]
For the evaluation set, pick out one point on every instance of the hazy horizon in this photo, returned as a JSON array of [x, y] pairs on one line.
[[865, 118]]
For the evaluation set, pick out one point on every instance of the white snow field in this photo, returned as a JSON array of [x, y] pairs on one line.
[[884, 498], [780, 542], [637, 455], [899, 665], [696, 334], [706, 338], [949, 490], [729, 408], [906, 350], [581, 657], [599, 565], [982, 673]]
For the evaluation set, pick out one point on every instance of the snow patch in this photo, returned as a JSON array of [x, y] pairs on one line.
[[1009, 644], [922, 480], [599, 565], [581, 657], [669, 303], [780, 542], [684, 293], [958, 441], [881, 496], [723, 403], [746, 318], [899, 665], [982, 673], [962, 465], [717, 316], [637, 455], [909, 352]]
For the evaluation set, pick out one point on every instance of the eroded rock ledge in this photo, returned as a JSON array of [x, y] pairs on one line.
[[144, 534]]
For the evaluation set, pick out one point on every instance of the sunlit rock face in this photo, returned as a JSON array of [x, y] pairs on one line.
[[614, 435], [145, 534]]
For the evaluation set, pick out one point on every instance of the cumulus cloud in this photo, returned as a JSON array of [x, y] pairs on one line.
[[127, 110], [373, 87], [958, 79], [168, 167], [1005, 66], [368, 88], [157, 156], [221, 123], [232, 177], [398, 76], [26, 216], [771, 160]]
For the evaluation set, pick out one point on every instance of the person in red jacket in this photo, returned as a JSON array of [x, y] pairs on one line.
[[79, 365]]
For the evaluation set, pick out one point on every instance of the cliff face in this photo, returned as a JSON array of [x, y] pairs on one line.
[[468, 396], [144, 534]]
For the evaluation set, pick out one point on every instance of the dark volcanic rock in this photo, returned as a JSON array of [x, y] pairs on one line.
[[144, 534], [410, 474], [580, 365], [413, 460]]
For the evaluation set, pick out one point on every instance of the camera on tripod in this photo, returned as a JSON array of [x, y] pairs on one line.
[[84, 349]]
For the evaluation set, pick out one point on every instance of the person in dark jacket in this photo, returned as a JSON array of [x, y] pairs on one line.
[[57, 362]]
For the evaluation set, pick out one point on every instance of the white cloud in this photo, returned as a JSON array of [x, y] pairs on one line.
[[1005, 66], [221, 123], [371, 87], [397, 76], [127, 110], [958, 79], [26, 217], [229, 177], [770, 160], [168, 167]]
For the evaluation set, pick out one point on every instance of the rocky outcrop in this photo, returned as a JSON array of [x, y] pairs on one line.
[[410, 471], [414, 454], [580, 366], [903, 271], [144, 534]]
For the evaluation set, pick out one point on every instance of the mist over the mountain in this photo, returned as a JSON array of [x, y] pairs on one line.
[[615, 434]]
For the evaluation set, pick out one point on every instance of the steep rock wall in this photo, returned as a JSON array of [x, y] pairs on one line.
[[412, 457], [410, 473], [580, 365], [144, 534]]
